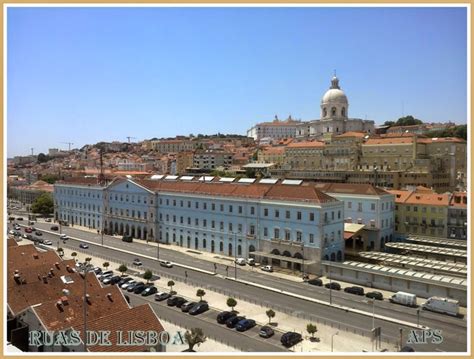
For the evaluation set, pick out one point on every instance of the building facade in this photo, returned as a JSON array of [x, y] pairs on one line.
[[457, 216], [279, 224], [275, 129]]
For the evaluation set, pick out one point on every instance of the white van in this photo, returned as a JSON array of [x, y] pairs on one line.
[[240, 261], [250, 261], [403, 298], [442, 305]]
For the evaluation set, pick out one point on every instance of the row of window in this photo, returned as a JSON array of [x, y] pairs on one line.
[[79, 205], [78, 193], [423, 209], [384, 205], [129, 213], [129, 198]]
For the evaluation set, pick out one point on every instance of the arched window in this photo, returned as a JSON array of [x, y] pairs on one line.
[[221, 246], [325, 112], [343, 111], [339, 255], [333, 257], [333, 111]]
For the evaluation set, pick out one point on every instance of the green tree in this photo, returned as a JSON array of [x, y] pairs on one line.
[[194, 337], [74, 255], [200, 293], [231, 302], [43, 204], [148, 275], [171, 284], [408, 121], [88, 259], [42, 158], [270, 314], [60, 251], [50, 178], [461, 132], [389, 123], [106, 265], [311, 329], [122, 269]]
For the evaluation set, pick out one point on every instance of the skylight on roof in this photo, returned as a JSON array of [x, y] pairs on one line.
[[206, 178], [227, 179], [186, 178], [157, 177], [247, 180], [292, 182], [67, 279], [268, 180], [171, 178]]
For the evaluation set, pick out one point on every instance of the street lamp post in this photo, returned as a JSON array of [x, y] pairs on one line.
[[417, 317], [302, 260], [330, 286], [332, 340], [235, 255], [373, 320]]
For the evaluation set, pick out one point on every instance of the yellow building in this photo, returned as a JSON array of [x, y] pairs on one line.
[[306, 155], [274, 155]]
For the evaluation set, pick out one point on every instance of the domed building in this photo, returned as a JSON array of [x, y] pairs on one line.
[[334, 117]]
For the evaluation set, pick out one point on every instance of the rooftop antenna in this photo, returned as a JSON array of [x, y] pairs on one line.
[[129, 137], [32, 151], [334, 72]]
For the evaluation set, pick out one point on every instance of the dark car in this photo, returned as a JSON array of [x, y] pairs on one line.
[[245, 324], [83, 245], [374, 295], [131, 287], [97, 270], [127, 238], [199, 308], [266, 331], [30, 237], [407, 349], [124, 280], [354, 290], [232, 321], [54, 228], [19, 219], [112, 280], [176, 301], [223, 316], [315, 281], [38, 233], [186, 307], [333, 285], [290, 338], [162, 296], [149, 291], [139, 288]]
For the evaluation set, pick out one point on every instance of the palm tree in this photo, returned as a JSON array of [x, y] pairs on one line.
[[193, 337], [200, 293]]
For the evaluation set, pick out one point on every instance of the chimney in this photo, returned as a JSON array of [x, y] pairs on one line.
[[88, 299], [68, 268], [17, 279], [64, 300], [59, 304], [57, 265], [35, 256], [45, 279], [51, 271], [109, 295]]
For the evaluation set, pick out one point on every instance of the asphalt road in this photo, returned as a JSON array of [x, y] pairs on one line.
[[453, 329]]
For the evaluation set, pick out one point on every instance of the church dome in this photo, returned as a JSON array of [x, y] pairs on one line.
[[334, 94]]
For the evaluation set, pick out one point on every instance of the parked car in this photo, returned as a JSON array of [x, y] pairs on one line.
[[106, 273], [160, 296], [199, 308], [187, 306], [137, 262], [374, 295], [176, 301], [105, 276], [19, 219], [63, 237], [290, 338], [240, 261], [127, 238], [354, 290], [31, 223], [245, 324], [47, 242], [166, 264], [125, 285], [83, 245], [29, 236], [25, 235], [403, 298], [97, 270], [17, 227], [47, 220], [223, 316], [267, 268], [11, 231], [140, 287], [442, 305], [266, 331], [250, 261], [38, 233], [315, 281], [124, 280], [28, 230], [406, 348], [54, 228], [333, 285], [149, 291], [232, 321], [112, 279]]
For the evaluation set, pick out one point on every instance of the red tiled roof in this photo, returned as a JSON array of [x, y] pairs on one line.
[[351, 188], [441, 139], [306, 144], [462, 197], [352, 134], [388, 141], [400, 195]]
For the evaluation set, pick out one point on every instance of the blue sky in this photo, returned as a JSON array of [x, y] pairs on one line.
[[85, 75]]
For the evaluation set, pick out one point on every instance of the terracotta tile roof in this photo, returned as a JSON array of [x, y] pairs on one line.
[[352, 134], [459, 199], [440, 140], [28, 256], [400, 195], [279, 123], [71, 312], [351, 188], [428, 199], [301, 193], [11, 242], [35, 272], [388, 141], [306, 144], [141, 318], [423, 189], [274, 150], [89, 181]]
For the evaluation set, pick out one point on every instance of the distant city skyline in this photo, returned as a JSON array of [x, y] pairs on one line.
[[86, 75]]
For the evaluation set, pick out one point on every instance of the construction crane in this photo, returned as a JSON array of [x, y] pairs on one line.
[[68, 143], [129, 137]]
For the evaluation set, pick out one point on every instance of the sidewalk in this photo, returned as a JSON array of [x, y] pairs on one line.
[[348, 341]]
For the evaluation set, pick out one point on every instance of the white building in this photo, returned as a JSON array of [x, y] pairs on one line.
[[275, 129]]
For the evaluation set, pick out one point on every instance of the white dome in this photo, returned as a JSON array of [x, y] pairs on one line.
[[334, 96]]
